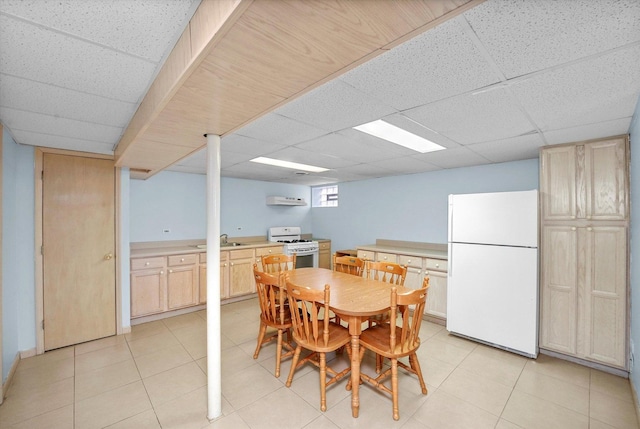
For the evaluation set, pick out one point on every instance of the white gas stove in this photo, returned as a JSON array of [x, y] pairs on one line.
[[306, 251]]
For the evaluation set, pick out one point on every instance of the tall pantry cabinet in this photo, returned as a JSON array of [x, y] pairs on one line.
[[584, 192]]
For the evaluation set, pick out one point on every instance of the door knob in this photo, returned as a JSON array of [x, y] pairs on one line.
[[108, 256]]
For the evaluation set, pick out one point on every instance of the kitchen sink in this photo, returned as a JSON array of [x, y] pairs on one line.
[[232, 244]]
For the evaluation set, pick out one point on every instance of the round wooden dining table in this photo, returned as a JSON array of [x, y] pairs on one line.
[[354, 299]]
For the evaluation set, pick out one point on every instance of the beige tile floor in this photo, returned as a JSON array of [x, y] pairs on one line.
[[155, 377]]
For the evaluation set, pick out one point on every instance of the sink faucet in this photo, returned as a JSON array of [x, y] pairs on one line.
[[223, 239]]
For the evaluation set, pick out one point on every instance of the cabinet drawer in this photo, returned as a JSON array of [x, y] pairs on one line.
[[365, 254], [410, 261], [437, 264], [241, 254], [145, 263], [260, 251], [323, 245], [386, 257], [177, 260]]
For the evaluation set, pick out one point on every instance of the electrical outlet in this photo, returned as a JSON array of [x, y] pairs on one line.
[[239, 228], [166, 231]]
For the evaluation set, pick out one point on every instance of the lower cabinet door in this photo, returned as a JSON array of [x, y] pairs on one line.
[[182, 287], [148, 291], [437, 296]]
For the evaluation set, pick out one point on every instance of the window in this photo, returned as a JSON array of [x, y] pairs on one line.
[[324, 196]]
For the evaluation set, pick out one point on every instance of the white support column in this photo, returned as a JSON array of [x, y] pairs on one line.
[[214, 370]]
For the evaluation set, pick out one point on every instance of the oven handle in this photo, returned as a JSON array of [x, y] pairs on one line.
[[302, 253]]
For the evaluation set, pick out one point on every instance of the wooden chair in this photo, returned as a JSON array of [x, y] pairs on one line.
[[320, 336], [388, 272], [273, 314], [278, 262], [394, 342], [348, 264]]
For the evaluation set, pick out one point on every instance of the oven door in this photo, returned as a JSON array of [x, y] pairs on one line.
[[306, 258]]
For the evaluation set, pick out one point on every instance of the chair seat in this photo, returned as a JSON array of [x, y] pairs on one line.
[[376, 339], [338, 337]]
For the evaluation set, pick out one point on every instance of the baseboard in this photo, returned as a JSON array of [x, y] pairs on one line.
[[28, 353], [126, 330], [14, 366], [611, 370]]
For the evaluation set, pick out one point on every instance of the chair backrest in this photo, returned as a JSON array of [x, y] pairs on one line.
[[409, 306], [278, 262], [306, 305], [348, 264], [270, 296], [388, 272]]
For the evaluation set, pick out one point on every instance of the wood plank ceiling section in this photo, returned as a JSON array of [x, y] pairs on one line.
[[240, 59]]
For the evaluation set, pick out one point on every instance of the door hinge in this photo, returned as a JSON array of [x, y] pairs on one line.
[[43, 324], [42, 250], [41, 174]]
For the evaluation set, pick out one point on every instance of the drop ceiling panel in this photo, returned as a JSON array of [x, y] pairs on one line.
[[334, 106], [311, 158], [406, 123], [405, 165], [343, 147], [248, 145], [29, 51], [143, 27], [589, 131], [597, 90], [59, 142], [22, 94], [511, 149], [468, 118], [61, 127], [524, 36], [452, 158], [280, 129], [437, 64]]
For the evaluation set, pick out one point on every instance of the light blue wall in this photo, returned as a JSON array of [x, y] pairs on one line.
[[177, 201], [635, 243], [18, 290], [412, 207]]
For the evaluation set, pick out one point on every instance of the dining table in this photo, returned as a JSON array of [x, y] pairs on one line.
[[354, 299]]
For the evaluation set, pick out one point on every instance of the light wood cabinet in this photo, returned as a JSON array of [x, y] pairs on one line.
[[584, 251], [148, 291], [224, 276], [324, 254], [182, 281], [261, 251], [241, 281], [367, 255]]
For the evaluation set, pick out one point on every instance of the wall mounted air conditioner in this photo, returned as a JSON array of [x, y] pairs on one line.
[[285, 201]]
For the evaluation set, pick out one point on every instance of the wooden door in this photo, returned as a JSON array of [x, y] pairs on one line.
[[78, 236]]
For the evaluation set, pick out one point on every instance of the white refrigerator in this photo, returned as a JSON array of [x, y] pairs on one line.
[[492, 289]]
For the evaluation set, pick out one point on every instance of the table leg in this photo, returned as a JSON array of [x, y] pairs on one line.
[[355, 329], [355, 375]]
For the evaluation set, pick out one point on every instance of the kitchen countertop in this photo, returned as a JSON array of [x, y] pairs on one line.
[[164, 248], [425, 250]]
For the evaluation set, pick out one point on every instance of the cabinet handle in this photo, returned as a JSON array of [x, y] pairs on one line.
[[408, 261], [147, 263], [108, 256], [573, 228], [161, 272], [270, 250], [385, 258], [232, 264], [170, 271], [589, 229], [225, 265], [426, 273], [181, 259], [437, 265]]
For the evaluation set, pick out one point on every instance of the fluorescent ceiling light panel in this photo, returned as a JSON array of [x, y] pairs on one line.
[[287, 164], [386, 131]]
